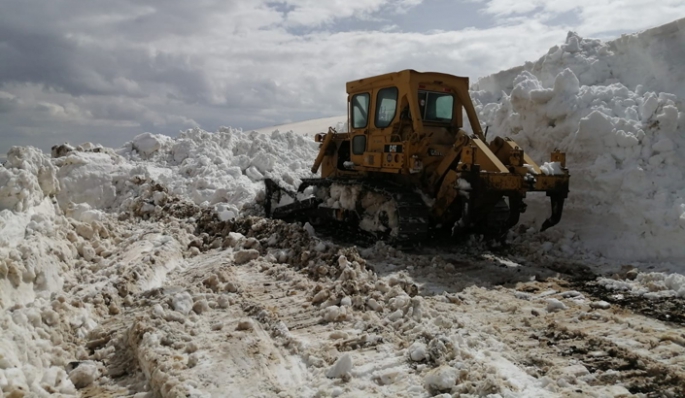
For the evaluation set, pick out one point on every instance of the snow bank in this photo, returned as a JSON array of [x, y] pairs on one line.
[[65, 260], [617, 110], [223, 167]]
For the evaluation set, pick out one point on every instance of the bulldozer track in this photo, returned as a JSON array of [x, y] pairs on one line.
[[413, 214], [413, 231]]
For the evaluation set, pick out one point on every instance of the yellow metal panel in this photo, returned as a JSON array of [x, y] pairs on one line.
[[372, 159], [447, 193], [551, 183], [468, 155], [322, 151], [502, 181], [510, 145], [376, 140], [528, 160], [392, 160], [559, 157], [486, 159]]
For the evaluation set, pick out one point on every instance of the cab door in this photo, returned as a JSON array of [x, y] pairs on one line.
[[360, 105], [379, 146]]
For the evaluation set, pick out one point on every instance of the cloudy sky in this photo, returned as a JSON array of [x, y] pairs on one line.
[[104, 71]]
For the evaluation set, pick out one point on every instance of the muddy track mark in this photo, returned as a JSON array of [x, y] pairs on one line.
[[667, 309], [611, 364]]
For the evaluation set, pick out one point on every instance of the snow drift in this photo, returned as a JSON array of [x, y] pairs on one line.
[[617, 110]]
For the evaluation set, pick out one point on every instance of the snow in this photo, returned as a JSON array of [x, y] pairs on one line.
[[551, 168], [651, 284], [310, 127], [442, 378], [342, 367], [147, 271], [417, 352], [83, 375], [555, 305], [616, 109]]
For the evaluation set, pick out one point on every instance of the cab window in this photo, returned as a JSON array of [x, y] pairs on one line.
[[359, 144], [436, 106], [360, 110], [386, 106]]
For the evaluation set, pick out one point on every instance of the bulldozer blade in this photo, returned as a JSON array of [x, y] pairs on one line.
[[294, 209], [557, 201], [274, 191]]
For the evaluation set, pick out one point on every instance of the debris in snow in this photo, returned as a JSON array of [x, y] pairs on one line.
[[554, 305], [334, 313], [442, 378], [183, 303], [83, 375], [341, 367], [571, 294], [244, 256], [245, 324], [600, 305], [631, 274]]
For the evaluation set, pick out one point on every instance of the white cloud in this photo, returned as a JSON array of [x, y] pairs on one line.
[[8, 102], [595, 16]]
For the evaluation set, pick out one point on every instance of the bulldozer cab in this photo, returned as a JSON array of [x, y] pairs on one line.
[[397, 107]]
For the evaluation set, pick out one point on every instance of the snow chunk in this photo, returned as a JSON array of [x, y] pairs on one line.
[[334, 313], [83, 375], [442, 378], [244, 256], [566, 82], [182, 302], [663, 145], [146, 144], [341, 367], [554, 305], [551, 168], [600, 304], [418, 351]]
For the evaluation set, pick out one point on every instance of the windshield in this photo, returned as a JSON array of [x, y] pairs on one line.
[[436, 106]]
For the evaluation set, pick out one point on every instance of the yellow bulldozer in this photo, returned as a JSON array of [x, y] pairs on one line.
[[406, 167]]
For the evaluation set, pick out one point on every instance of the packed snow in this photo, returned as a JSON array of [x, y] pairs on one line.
[[617, 110], [146, 270]]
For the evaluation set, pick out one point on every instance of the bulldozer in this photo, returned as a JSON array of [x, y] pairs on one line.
[[407, 170]]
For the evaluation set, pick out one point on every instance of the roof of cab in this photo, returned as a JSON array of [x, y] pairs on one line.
[[403, 77]]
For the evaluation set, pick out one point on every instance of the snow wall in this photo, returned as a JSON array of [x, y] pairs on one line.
[[617, 110]]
